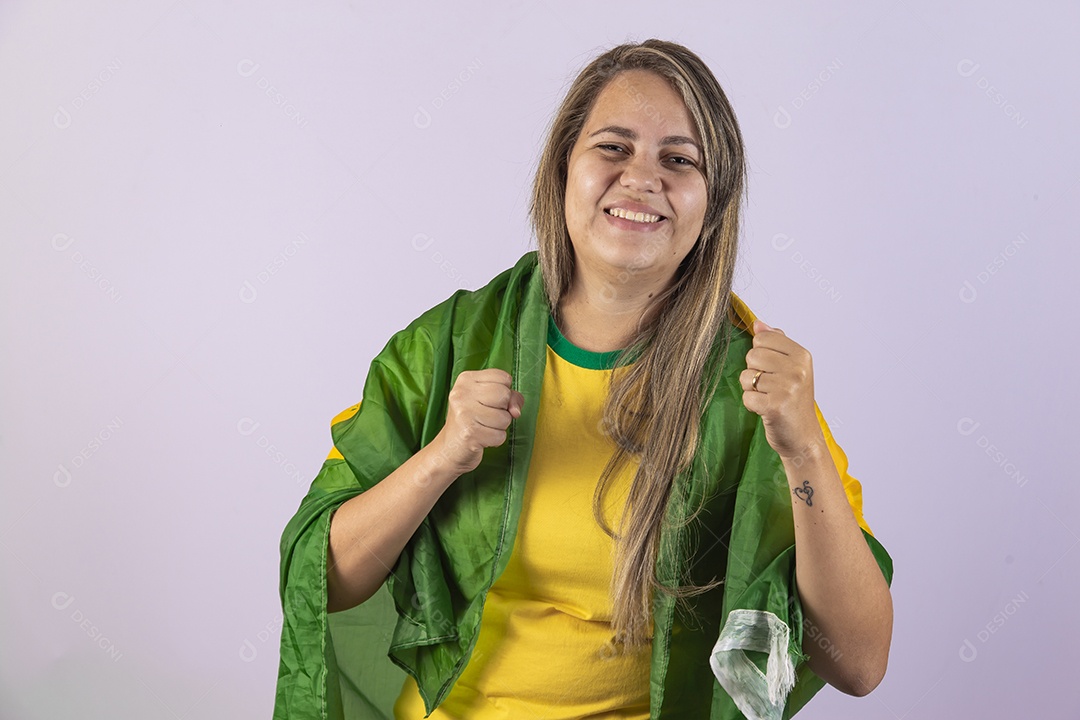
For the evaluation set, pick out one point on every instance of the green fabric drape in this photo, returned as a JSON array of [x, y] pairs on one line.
[[425, 618]]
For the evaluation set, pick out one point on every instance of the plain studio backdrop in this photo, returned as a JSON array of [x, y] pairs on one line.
[[214, 216]]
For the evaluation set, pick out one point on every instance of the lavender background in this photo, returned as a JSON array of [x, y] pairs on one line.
[[213, 217]]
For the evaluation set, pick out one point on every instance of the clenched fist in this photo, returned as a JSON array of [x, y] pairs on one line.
[[481, 405]]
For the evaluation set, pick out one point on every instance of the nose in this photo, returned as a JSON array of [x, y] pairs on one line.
[[641, 174]]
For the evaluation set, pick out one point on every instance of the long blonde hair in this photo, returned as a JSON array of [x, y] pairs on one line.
[[654, 407]]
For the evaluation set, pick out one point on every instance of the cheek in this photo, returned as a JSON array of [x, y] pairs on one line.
[[578, 210], [573, 204], [693, 202], [585, 185]]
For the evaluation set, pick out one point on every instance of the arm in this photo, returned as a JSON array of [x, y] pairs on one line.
[[845, 597], [369, 531]]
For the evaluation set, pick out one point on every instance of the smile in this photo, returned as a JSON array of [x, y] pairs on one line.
[[629, 221], [639, 217]]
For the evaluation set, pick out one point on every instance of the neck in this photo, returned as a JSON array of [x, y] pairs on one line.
[[602, 316]]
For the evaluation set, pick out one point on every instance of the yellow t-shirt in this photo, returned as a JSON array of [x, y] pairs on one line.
[[544, 648]]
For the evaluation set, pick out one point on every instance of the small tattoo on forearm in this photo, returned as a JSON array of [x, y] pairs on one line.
[[805, 493]]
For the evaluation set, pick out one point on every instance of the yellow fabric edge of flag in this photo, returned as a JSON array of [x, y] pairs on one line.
[[852, 487], [340, 417]]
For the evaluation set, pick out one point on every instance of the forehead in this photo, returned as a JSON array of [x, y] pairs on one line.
[[643, 101]]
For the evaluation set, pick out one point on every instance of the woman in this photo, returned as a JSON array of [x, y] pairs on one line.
[[578, 491]]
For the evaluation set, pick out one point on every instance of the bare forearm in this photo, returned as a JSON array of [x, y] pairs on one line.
[[847, 602], [368, 532]]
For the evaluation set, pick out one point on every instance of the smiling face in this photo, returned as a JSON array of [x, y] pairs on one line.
[[638, 155]]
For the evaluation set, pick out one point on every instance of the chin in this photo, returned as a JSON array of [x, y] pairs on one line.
[[626, 262]]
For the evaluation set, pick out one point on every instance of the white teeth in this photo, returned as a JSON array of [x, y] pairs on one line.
[[636, 217]]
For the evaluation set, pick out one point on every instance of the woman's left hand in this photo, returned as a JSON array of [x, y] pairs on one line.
[[784, 397]]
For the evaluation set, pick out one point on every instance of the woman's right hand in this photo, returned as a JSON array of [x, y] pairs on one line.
[[481, 405]]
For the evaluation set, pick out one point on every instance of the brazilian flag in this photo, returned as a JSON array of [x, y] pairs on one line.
[[741, 654]]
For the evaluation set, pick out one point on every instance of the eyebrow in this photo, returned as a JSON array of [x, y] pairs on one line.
[[631, 135]]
